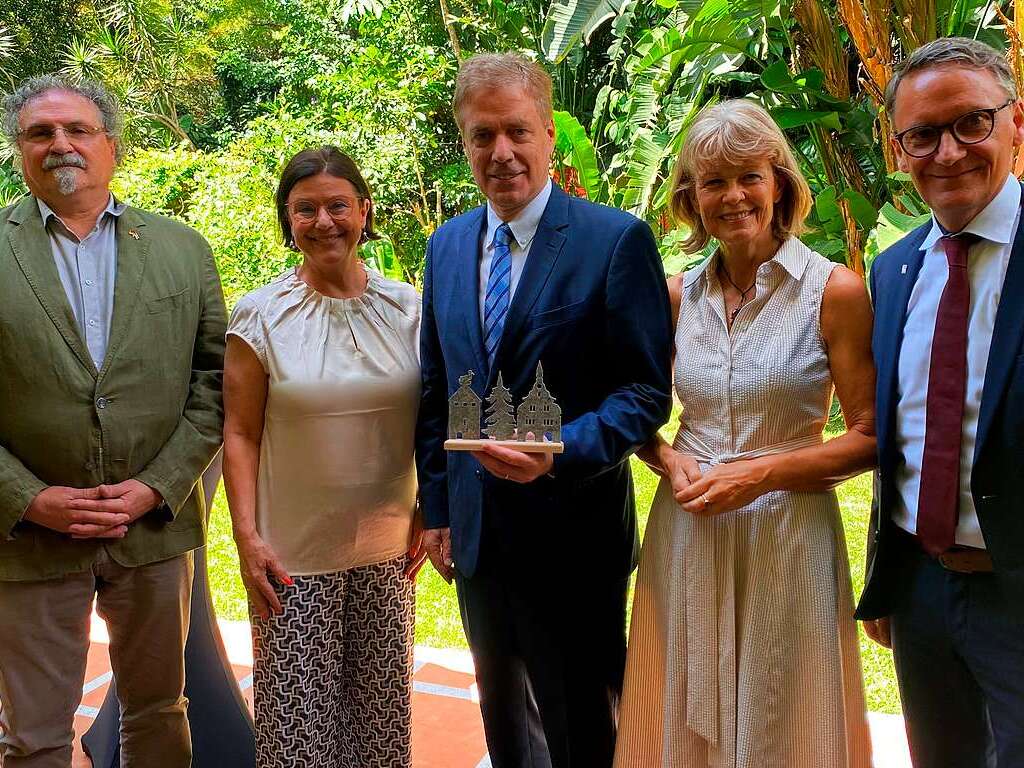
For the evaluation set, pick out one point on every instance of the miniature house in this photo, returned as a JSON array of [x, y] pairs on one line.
[[464, 411], [539, 413]]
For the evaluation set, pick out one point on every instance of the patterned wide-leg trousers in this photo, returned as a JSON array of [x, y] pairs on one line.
[[332, 675]]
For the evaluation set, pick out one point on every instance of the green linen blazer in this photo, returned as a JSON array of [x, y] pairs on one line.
[[152, 412]]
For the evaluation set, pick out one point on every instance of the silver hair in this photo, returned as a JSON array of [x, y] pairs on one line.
[[494, 70], [33, 87], [952, 51]]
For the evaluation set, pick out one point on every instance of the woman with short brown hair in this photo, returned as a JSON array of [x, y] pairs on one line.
[[321, 391]]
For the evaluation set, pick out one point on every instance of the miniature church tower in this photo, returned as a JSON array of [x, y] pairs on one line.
[[539, 413], [501, 419], [464, 411]]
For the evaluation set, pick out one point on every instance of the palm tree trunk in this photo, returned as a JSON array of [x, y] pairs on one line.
[[447, 19]]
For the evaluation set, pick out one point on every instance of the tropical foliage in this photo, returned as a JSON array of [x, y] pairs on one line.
[[819, 66], [220, 93]]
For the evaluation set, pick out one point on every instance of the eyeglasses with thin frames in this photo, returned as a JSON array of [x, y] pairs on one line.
[[970, 128], [306, 211], [44, 134]]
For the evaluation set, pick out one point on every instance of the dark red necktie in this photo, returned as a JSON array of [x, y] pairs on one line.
[[939, 499]]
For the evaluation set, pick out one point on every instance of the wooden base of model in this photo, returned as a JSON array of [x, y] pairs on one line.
[[526, 446], [538, 415]]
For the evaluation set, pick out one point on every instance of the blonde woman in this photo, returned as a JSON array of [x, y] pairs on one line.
[[743, 650]]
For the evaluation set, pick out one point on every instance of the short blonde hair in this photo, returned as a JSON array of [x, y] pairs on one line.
[[496, 70], [736, 131]]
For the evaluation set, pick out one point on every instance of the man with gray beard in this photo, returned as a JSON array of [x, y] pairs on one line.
[[111, 354], [63, 170]]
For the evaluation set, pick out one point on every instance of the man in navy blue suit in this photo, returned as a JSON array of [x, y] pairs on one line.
[[541, 548], [945, 581]]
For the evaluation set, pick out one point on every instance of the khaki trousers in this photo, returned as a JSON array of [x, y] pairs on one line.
[[44, 642]]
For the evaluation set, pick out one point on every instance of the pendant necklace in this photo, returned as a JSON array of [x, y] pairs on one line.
[[743, 292]]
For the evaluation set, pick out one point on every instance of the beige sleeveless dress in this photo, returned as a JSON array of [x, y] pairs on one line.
[[743, 649]]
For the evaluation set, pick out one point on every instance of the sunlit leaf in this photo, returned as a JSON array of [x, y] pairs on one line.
[[893, 225], [573, 143], [570, 21]]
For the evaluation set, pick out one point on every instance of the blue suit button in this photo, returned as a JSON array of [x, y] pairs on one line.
[[479, 474]]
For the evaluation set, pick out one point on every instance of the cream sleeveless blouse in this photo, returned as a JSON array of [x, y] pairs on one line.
[[337, 485], [743, 649]]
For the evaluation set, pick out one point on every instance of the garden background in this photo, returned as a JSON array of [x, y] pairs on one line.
[[220, 93]]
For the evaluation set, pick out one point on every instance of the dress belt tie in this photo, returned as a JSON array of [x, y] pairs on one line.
[[705, 650]]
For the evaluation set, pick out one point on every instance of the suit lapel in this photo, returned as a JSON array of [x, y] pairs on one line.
[[31, 247], [132, 251], [544, 251], [889, 323], [467, 285], [1006, 338]]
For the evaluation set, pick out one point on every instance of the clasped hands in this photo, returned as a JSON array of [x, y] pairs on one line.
[[723, 488], [103, 512]]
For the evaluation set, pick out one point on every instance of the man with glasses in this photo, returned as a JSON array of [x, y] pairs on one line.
[[111, 352], [945, 579]]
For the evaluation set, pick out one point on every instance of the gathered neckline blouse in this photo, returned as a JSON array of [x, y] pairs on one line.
[[336, 486]]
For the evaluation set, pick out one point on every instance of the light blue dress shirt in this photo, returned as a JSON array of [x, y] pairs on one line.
[[987, 263], [87, 270], [524, 228]]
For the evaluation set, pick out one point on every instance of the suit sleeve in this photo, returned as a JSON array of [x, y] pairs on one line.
[[431, 425], [18, 486], [176, 469], [638, 331]]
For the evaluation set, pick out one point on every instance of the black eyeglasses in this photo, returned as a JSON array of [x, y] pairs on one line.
[[971, 128]]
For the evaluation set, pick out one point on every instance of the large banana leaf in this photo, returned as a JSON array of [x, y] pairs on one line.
[[893, 225], [644, 161], [712, 30], [572, 143], [569, 21]]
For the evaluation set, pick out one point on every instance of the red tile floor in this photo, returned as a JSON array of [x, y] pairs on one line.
[[447, 732]]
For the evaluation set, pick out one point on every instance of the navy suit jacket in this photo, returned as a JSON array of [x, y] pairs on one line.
[[999, 450], [592, 307]]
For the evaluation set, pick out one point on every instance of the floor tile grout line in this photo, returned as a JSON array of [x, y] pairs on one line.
[[97, 682], [418, 686]]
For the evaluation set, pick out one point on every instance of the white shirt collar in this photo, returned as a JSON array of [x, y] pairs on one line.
[[525, 225], [994, 223], [792, 256]]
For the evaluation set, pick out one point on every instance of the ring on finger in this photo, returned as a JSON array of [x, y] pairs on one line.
[[707, 501]]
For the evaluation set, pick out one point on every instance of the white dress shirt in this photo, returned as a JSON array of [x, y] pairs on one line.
[[986, 268], [524, 228], [87, 270]]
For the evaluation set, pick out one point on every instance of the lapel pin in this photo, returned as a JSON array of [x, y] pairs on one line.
[[135, 236], [904, 270]]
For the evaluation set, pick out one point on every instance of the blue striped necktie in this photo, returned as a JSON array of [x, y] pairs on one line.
[[499, 286]]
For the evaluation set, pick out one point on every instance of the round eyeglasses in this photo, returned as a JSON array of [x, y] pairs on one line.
[[971, 128], [305, 211]]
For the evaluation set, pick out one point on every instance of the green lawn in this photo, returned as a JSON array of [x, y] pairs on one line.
[[437, 611]]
